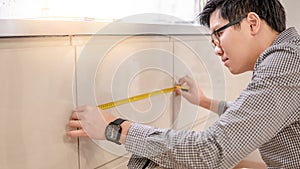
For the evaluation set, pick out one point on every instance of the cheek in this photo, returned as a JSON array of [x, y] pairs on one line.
[[235, 46], [237, 53], [229, 41]]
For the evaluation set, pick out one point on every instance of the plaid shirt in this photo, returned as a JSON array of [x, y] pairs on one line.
[[266, 116]]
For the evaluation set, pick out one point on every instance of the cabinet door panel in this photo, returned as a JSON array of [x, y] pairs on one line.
[[129, 67], [194, 57], [35, 105]]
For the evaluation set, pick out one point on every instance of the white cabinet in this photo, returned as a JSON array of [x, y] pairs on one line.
[[35, 103]]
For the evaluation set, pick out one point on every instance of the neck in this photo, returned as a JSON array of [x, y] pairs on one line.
[[264, 39], [267, 38]]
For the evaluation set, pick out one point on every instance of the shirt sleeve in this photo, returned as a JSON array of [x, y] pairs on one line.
[[269, 104], [223, 106]]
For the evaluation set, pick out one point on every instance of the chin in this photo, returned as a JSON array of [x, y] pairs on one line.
[[235, 71]]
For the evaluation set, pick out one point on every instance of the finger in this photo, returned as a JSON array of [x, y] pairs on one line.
[[74, 116], [77, 133], [75, 124], [186, 79], [178, 91], [185, 94], [182, 81]]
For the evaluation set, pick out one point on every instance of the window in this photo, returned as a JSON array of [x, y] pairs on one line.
[[102, 10]]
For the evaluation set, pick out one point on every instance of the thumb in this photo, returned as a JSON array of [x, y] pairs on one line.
[[184, 94]]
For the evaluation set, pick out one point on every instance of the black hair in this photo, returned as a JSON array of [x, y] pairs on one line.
[[271, 11]]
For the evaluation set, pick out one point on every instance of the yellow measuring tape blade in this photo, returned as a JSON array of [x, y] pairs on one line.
[[138, 97]]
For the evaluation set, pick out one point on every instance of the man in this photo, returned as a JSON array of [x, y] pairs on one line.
[[248, 35]]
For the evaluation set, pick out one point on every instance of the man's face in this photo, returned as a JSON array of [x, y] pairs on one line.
[[234, 46]]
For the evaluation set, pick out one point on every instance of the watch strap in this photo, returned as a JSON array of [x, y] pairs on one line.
[[118, 121]]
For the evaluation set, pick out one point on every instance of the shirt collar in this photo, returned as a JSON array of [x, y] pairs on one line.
[[282, 37]]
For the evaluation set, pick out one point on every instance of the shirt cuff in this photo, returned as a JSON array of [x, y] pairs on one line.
[[136, 139]]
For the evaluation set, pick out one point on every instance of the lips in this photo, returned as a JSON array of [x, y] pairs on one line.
[[224, 59]]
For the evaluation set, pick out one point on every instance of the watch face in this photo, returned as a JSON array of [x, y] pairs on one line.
[[112, 133]]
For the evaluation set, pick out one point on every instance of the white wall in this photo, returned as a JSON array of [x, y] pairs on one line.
[[293, 12]]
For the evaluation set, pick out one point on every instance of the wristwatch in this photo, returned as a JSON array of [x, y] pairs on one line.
[[113, 130]]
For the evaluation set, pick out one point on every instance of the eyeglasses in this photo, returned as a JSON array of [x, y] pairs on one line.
[[215, 36]]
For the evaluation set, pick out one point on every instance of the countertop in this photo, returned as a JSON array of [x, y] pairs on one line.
[[36, 27]]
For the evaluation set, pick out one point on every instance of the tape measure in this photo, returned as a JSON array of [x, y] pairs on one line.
[[138, 97]]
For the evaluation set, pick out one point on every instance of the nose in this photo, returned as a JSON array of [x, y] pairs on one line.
[[218, 50]]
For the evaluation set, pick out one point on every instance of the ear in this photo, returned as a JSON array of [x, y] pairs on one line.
[[254, 22]]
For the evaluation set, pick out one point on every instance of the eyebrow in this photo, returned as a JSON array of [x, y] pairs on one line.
[[216, 27]]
